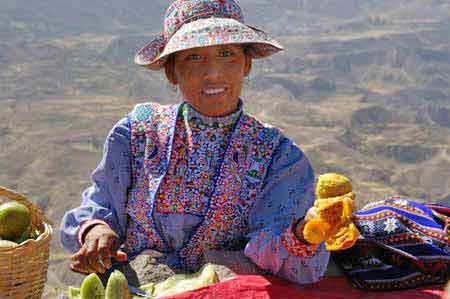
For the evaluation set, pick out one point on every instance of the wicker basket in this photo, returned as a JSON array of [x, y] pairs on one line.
[[23, 268]]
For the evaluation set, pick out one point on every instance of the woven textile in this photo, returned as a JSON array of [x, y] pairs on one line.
[[406, 244]]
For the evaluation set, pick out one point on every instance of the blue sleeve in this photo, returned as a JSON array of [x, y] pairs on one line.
[[106, 198], [287, 193]]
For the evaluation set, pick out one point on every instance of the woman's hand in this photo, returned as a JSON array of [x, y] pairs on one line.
[[312, 213], [100, 244], [317, 230]]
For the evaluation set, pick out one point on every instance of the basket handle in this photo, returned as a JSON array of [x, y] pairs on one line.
[[12, 194]]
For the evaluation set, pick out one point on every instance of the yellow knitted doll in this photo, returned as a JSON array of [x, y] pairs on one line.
[[330, 219]]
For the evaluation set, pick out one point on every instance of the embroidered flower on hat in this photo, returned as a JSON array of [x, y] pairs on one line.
[[182, 12], [151, 50]]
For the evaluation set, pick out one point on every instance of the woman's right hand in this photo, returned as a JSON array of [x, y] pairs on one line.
[[100, 245]]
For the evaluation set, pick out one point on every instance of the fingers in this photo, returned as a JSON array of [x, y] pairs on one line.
[[121, 256], [79, 267], [79, 262], [111, 243], [87, 259], [105, 252], [312, 213], [93, 256]]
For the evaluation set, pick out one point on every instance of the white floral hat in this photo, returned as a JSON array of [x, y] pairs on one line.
[[202, 23]]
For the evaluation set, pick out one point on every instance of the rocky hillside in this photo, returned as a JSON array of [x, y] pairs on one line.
[[363, 87]]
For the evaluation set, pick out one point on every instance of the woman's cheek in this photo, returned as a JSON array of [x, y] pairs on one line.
[[189, 76], [235, 67]]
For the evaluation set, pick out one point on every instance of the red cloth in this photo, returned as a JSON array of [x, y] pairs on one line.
[[265, 287]]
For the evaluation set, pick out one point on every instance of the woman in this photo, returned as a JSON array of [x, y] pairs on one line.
[[201, 174]]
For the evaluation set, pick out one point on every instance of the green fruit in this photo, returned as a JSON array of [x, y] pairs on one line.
[[14, 220], [74, 293], [180, 283], [117, 287], [6, 244], [92, 288], [25, 236]]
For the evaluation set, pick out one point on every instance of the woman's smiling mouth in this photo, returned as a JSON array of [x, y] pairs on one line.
[[214, 91]]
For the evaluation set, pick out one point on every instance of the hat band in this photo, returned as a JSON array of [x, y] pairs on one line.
[[207, 32]]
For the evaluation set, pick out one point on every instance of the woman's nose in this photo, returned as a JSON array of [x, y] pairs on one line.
[[213, 70]]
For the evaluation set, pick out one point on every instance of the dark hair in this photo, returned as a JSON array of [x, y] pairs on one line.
[[170, 59], [247, 49], [169, 62]]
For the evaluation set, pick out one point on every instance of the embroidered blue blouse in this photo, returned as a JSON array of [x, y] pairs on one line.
[[286, 195]]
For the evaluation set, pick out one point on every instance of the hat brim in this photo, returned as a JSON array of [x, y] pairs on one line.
[[203, 33]]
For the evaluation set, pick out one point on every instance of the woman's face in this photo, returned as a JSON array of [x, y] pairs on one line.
[[210, 78]]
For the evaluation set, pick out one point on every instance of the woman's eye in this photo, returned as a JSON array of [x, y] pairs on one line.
[[226, 53], [193, 57]]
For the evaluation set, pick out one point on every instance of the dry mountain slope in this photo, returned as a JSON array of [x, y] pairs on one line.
[[364, 90]]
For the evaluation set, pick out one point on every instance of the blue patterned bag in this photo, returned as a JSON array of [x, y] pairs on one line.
[[405, 244]]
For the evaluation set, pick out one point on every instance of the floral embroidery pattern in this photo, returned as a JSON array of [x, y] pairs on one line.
[[240, 177], [226, 211], [180, 11], [151, 134], [198, 147], [206, 32]]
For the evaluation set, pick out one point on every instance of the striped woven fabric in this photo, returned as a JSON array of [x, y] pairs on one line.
[[405, 244]]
